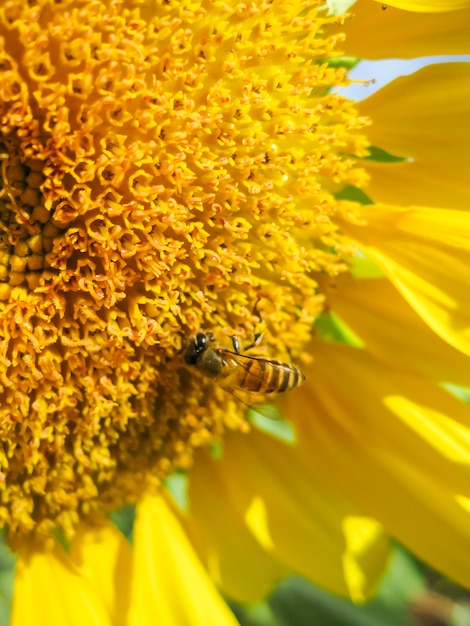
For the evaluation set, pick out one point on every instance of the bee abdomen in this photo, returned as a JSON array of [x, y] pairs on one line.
[[269, 376]]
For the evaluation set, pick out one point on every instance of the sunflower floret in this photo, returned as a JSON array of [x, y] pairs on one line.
[[163, 169]]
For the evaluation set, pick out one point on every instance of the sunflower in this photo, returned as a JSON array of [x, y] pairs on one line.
[[172, 168]]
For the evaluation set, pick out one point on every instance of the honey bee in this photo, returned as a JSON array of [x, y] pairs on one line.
[[236, 371]]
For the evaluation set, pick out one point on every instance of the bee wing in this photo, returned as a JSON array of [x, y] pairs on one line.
[[259, 403], [267, 407], [247, 374]]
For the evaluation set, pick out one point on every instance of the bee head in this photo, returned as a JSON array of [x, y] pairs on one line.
[[196, 346]]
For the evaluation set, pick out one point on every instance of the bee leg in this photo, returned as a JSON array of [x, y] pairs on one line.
[[236, 345], [258, 336], [256, 341]]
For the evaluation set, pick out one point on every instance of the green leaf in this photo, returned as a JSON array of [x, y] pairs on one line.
[[354, 194], [362, 267], [7, 576], [177, 485], [332, 328], [273, 425], [460, 615], [377, 154], [338, 7], [462, 393], [346, 62], [123, 518], [259, 614]]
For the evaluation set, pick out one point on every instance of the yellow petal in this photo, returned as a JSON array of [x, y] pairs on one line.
[[170, 586], [397, 445], [233, 557], [428, 6], [49, 591], [407, 183], [103, 556], [376, 34], [393, 331], [426, 254], [424, 118], [312, 530], [429, 96]]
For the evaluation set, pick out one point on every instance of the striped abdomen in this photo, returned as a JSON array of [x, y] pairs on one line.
[[266, 375]]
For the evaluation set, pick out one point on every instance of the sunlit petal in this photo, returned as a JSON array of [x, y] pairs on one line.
[[408, 183], [233, 556], [104, 557], [373, 33], [293, 516], [425, 253], [393, 331], [49, 591], [397, 445], [423, 118], [170, 586]]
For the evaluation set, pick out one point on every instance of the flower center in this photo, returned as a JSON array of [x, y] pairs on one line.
[[165, 169]]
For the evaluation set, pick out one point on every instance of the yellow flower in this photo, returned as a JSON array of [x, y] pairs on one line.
[[175, 167]]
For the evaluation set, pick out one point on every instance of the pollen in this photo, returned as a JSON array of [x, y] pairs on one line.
[[165, 167]]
